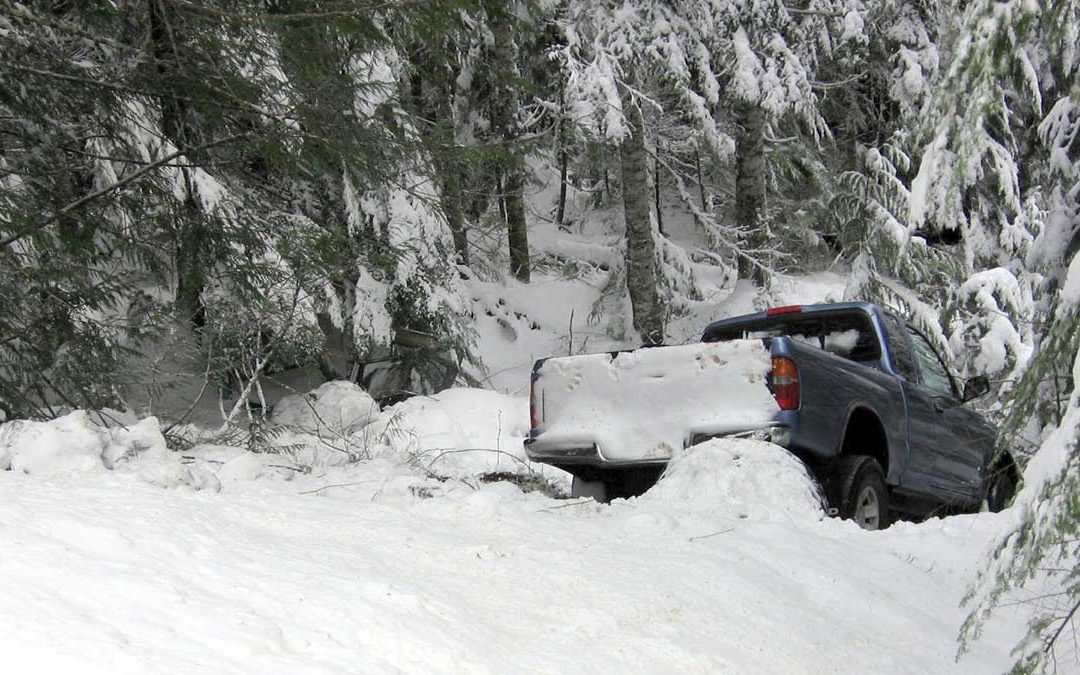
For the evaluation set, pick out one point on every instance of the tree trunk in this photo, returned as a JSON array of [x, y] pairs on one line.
[[656, 191], [176, 123], [515, 226], [455, 213], [506, 110], [700, 180], [434, 95], [560, 210], [750, 188], [564, 160], [641, 273]]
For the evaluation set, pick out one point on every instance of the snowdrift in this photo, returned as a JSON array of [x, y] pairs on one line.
[[456, 433], [340, 407], [738, 478], [75, 444]]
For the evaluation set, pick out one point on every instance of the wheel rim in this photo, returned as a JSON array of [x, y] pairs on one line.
[[867, 509]]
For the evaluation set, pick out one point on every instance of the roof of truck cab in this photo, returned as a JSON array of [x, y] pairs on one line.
[[868, 307]]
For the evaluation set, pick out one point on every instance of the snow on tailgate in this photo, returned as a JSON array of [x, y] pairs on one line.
[[643, 404]]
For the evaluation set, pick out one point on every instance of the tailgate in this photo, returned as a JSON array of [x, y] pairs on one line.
[[643, 405]]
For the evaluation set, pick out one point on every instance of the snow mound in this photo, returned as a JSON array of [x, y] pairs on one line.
[[74, 444], [459, 431], [69, 444], [341, 407], [739, 478]]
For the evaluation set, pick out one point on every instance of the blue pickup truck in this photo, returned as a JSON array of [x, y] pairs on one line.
[[858, 394]]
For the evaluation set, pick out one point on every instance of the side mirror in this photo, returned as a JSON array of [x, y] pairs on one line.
[[975, 387]]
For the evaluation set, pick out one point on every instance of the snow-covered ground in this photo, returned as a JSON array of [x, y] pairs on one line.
[[368, 543], [728, 565]]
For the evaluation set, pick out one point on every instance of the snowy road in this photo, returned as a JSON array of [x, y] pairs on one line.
[[107, 573]]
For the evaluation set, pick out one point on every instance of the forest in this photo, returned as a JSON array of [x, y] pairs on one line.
[[213, 191]]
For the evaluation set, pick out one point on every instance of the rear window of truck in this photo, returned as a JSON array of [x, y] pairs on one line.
[[849, 335]]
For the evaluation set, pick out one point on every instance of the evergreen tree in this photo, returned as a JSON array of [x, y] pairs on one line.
[[1001, 169], [237, 167]]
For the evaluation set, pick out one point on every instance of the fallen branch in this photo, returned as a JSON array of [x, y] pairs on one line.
[[336, 485], [454, 452], [706, 536]]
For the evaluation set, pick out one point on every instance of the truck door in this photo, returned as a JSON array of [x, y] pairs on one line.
[[940, 427], [918, 464]]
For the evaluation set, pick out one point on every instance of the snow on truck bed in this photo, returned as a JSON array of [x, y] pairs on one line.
[[643, 404]]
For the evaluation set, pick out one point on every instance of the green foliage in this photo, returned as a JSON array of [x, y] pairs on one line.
[[1005, 170], [195, 162]]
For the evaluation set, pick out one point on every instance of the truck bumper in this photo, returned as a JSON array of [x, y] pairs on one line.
[[577, 455], [589, 454], [780, 435]]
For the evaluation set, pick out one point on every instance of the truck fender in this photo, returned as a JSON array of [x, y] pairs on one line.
[[864, 434]]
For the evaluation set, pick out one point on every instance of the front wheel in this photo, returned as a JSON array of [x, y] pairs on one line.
[[1001, 489], [857, 491]]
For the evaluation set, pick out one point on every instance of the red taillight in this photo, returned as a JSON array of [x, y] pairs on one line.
[[785, 383], [788, 309]]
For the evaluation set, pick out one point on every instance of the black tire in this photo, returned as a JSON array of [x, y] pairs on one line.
[[857, 491], [1000, 490]]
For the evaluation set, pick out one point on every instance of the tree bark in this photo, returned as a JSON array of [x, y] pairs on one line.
[[176, 123], [564, 161], [700, 180], [560, 209], [454, 211], [656, 191], [750, 187], [506, 110], [641, 273], [434, 94], [515, 225]]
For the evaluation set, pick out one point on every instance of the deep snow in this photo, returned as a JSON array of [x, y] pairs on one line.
[[371, 546], [728, 565]]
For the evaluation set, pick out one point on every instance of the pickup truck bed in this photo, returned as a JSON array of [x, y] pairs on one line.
[[616, 408]]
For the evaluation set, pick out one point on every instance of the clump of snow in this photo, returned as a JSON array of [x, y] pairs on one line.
[[75, 444], [644, 404], [739, 478], [459, 431], [247, 466], [69, 444], [989, 335], [340, 407], [842, 342]]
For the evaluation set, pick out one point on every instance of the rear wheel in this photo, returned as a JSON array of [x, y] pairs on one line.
[[857, 491]]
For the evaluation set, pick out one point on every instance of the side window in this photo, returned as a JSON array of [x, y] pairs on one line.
[[899, 350], [934, 375]]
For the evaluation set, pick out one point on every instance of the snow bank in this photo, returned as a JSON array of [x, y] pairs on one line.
[[74, 444], [739, 478], [360, 572], [340, 407], [644, 404], [459, 431]]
